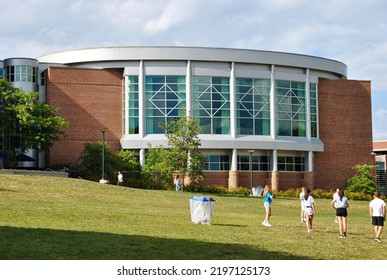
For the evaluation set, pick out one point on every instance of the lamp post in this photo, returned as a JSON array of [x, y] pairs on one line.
[[103, 181], [251, 167]]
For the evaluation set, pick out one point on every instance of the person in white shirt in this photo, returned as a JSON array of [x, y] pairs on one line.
[[120, 179], [310, 210], [334, 197], [378, 215], [340, 202], [302, 193]]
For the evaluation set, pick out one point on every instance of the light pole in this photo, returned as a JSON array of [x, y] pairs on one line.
[[103, 181], [251, 167]]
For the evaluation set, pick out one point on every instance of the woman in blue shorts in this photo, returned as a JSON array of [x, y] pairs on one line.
[[267, 199]]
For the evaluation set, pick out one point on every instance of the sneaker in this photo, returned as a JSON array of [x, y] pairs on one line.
[[378, 240], [264, 223], [310, 230], [268, 225], [341, 236]]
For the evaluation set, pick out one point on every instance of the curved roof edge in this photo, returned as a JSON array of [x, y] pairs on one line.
[[212, 54]]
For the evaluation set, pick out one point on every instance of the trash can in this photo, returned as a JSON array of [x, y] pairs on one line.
[[201, 209], [260, 190], [255, 191]]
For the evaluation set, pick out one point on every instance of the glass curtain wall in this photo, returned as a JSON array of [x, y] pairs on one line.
[[313, 110], [291, 108], [211, 104], [133, 105], [253, 106], [165, 98]]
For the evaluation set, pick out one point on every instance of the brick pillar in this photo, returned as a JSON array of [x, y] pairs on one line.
[[275, 180], [233, 179]]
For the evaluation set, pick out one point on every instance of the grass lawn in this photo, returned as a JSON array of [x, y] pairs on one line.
[[48, 218]]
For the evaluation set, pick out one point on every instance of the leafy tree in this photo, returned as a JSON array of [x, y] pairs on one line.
[[186, 158], [26, 122], [364, 180], [127, 160], [90, 162], [157, 168]]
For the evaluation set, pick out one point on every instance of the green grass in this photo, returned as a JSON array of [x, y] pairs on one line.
[[58, 218]]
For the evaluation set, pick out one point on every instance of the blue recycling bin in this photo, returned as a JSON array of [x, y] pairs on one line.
[[201, 209]]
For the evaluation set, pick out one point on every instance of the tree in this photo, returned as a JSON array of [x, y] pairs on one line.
[[158, 167], [364, 180], [184, 145], [90, 163], [26, 122]]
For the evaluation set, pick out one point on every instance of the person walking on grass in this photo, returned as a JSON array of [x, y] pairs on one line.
[[310, 210], [378, 215], [341, 203], [302, 193], [267, 199], [334, 197], [177, 183]]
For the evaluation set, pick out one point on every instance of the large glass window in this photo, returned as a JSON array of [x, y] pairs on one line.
[[258, 162], [211, 104], [291, 109], [313, 110], [165, 98], [253, 106], [133, 105], [291, 163], [216, 162], [21, 73]]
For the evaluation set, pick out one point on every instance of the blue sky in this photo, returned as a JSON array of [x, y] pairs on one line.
[[351, 31]]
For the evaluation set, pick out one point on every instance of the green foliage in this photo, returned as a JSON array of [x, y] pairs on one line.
[[363, 181], [158, 169], [127, 160], [216, 189], [90, 162], [26, 122], [185, 156]]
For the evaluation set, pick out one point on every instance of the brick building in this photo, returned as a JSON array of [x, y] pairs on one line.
[[287, 120]]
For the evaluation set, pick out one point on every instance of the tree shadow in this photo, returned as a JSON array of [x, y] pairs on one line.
[[50, 244]]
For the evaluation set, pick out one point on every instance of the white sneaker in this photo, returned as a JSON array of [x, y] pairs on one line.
[[264, 223], [310, 230], [268, 225]]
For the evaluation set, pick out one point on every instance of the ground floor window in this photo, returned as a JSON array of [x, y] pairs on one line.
[[216, 162], [291, 163]]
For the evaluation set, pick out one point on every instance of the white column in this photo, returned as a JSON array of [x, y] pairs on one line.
[[275, 160], [310, 161], [188, 85], [307, 104], [233, 128], [272, 104], [142, 157], [141, 100], [234, 160]]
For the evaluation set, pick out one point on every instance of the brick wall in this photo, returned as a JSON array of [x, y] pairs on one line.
[[345, 123], [90, 99]]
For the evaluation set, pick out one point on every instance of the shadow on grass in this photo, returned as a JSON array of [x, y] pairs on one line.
[[48, 244]]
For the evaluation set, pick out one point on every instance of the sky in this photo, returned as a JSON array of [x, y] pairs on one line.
[[351, 31]]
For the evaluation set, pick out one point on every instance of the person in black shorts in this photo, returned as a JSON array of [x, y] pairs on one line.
[[378, 215], [341, 203]]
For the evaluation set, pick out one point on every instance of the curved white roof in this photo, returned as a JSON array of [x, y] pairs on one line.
[[178, 53]]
